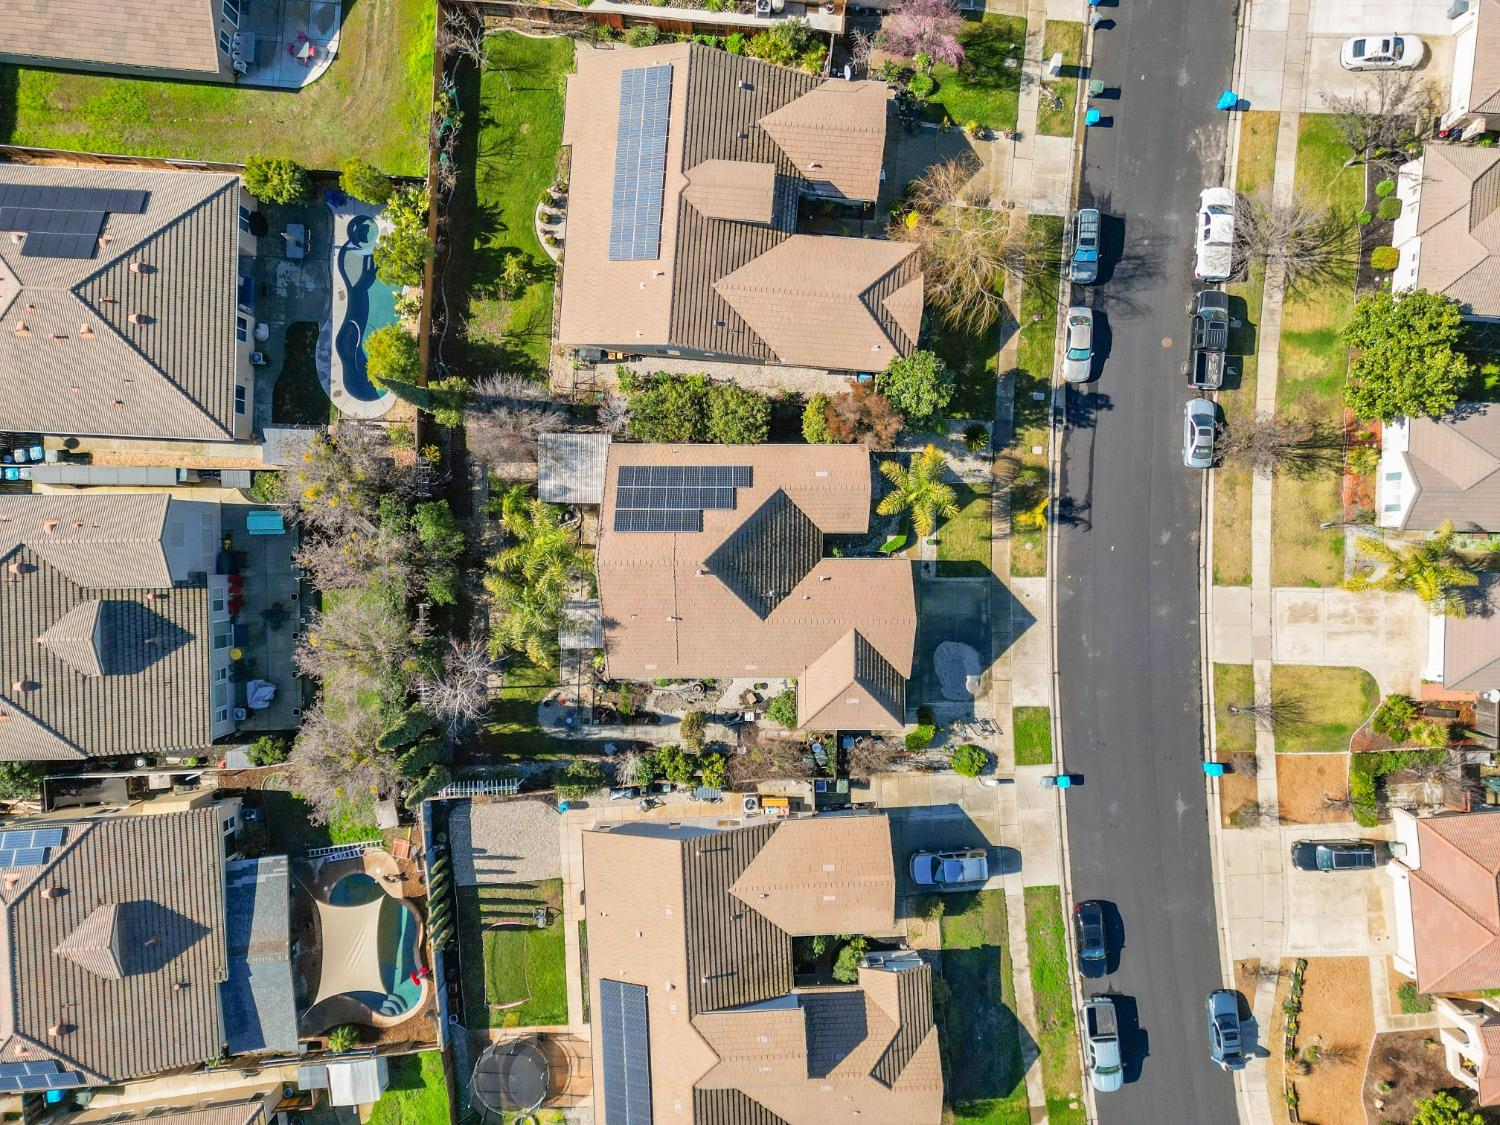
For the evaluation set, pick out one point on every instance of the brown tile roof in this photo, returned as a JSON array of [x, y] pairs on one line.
[[1455, 901], [1484, 85], [770, 124], [76, 360], [165, 922], [739, 1045], [1454, 462], [1458, 219], [1489, 1073], [756, 573], [176, 35], [851, 687], [1471, 645]]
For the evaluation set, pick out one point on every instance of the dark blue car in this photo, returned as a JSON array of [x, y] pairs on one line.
[[1083, 242], [1088, 935]]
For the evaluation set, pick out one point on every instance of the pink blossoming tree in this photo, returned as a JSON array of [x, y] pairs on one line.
[[924, 27]]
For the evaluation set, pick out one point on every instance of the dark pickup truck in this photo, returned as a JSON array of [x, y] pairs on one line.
[[1210, 340]]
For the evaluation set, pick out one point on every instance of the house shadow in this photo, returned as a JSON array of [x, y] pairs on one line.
[[977, 613]]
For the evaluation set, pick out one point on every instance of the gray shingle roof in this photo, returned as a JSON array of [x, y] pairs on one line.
[[110, 350], [260, 1014], [1455, 463], [176, 35], [164, 875]]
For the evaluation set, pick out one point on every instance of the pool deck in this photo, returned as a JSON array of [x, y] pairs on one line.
[[330, 367]]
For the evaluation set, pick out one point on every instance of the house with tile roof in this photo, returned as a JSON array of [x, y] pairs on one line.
[[212, 1107], [1474, 97], [699, 543], [689, 168], [127, 303], [115, 626], [695, 1011], [118, 965], [1448, 233], [1446, 878], [1441, 470], [189, 39]]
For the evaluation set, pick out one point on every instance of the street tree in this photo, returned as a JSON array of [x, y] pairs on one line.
[[1429, 568], [1311, 243], [918, 488], [1284, 711], [919, 385], [924, 27], [1384, 121], [1405, 361], [1269, 443]]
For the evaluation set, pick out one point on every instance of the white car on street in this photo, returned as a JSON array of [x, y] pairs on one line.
[[1382, 52], [1078, 359], [1214, 260]]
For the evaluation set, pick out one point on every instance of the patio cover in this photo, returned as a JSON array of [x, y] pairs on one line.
[[351, 949]]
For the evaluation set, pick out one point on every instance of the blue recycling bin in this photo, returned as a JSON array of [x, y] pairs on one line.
[[1091, 117], [1213, 769]]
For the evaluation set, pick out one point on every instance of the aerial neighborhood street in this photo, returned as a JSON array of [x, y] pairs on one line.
[[750, 562]]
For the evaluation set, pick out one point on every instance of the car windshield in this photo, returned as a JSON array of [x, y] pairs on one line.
[[1398, 48], [1107, 1069], [1078, 353], [1357, 48]]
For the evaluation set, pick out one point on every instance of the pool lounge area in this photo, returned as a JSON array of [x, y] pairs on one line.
[[361, 303]]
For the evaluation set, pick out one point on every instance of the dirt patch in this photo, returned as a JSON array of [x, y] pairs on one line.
[[1235, 790], [1336, 1029], [1302, 782], [1402, 1070]]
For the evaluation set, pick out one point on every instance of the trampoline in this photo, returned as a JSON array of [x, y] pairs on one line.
[[510, 1078]]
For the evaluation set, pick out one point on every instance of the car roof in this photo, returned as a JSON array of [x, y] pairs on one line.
[[1213, 299]]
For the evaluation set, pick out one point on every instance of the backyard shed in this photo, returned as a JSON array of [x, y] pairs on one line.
[[570, 468]]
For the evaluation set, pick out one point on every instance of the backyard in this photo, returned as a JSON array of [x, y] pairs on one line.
[[963, 543], [982, 88], [1313, 360], [298, 397], [1328, 705], [510, 728], [975, 1003], [1033, 386], [518, 965], [373, 102], [417, 1094], [1051, 983], [1065, 36]]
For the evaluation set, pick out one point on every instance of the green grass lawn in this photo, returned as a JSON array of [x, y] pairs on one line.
[[298, 398], [373, 101], [1035, 350], [1335, 700], [983, 88], [973, 357], [1313, 362], [510, 729], [1231, 481], [520, 115], [1234, 685], [516, 964], [963, 543], [417, 1094], [1065, 36], [975, 1003], [1033, 732], [1052, 987]]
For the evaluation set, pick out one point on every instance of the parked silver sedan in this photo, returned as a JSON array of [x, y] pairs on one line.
[[1199, 424], [1078, 359]]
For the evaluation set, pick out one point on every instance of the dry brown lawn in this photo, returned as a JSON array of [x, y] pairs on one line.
[[1336, 1018], [1235, 789], [1412, 1070], [1303, 780]]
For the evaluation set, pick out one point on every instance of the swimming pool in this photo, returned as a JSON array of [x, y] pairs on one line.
[[372, 951], [371, 304]]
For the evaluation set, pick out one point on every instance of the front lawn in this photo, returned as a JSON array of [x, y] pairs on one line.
[[1036, 349], [973, 357], [974, 1003], [1234, 686], [373, 102], [520, 117], [1052, 987], [1332, 704], [1313, 361], [963, 543], [1032, 727], [417, 1094], [512, 964], [982, 88], [1065, 36]]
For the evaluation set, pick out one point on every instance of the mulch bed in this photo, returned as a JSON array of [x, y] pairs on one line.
[[1302, 780], [1376, 233], [1414, 1072], [1336, 1016]]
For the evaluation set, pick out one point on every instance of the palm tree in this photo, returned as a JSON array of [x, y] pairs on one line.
[[1431, 569], [918, 488], [531, 579]]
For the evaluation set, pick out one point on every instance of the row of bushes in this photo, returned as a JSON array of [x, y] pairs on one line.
[[693, 408], [789, 43], [1365, 771]]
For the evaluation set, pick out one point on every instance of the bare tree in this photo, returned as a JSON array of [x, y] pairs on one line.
[[1268, 443], [861, 47], [341, 478], [1252, 814], [1311, 243], [614, 412], [1279, 711], [506, 418], [350, 560], [462, 35], [332, 765], [460, 695], [871, 755], [352, 647], [1384, 122]]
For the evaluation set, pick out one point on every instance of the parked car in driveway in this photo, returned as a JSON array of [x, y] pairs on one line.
[[1224, 1042], [1089, 937], [944, 871], [1335, 855], [1214, 258], [1101, 1042], [1083, 246], [1199, 424], [1078, 359], [1382, 52]]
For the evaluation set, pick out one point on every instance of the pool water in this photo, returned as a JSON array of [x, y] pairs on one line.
[[371, 304]]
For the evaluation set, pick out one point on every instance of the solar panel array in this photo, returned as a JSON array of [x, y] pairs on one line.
[[28, 848], [63, 222], [40, 1074], [640, 163], [674, 497], [626, 1050]]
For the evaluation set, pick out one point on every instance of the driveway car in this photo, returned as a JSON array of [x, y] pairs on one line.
[[1382, 52], [945, 871], [1335, 855], [1198, 426], [1078, 359], [1083, 260], [1224, 1029], [1214, 260], [1088, 935]]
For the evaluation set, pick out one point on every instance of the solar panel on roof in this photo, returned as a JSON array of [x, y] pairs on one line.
[[55, 197], [22, 857], [640, 163], [626, 1050], [640, 519], [35, 1066], [31, 838]]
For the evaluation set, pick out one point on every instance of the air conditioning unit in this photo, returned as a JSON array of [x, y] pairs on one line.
[[750, 804], [240, 714], [257, 359]]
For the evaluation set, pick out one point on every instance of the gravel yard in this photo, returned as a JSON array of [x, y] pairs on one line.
[[515, 841]]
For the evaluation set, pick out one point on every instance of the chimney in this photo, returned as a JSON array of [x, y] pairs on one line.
[[141, 267], [59, 1029], [141, 318], [118, 404], [52, 892], [85, 331], [49, 526], [22, 329]]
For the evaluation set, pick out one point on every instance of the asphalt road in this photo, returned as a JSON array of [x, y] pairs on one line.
[[1128, 588]]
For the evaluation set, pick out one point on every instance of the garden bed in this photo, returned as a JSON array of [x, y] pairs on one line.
[[1402, 1070], [1335, 1026]]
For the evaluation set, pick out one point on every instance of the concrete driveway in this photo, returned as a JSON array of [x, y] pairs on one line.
[[945, 828], [1325, 76]]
